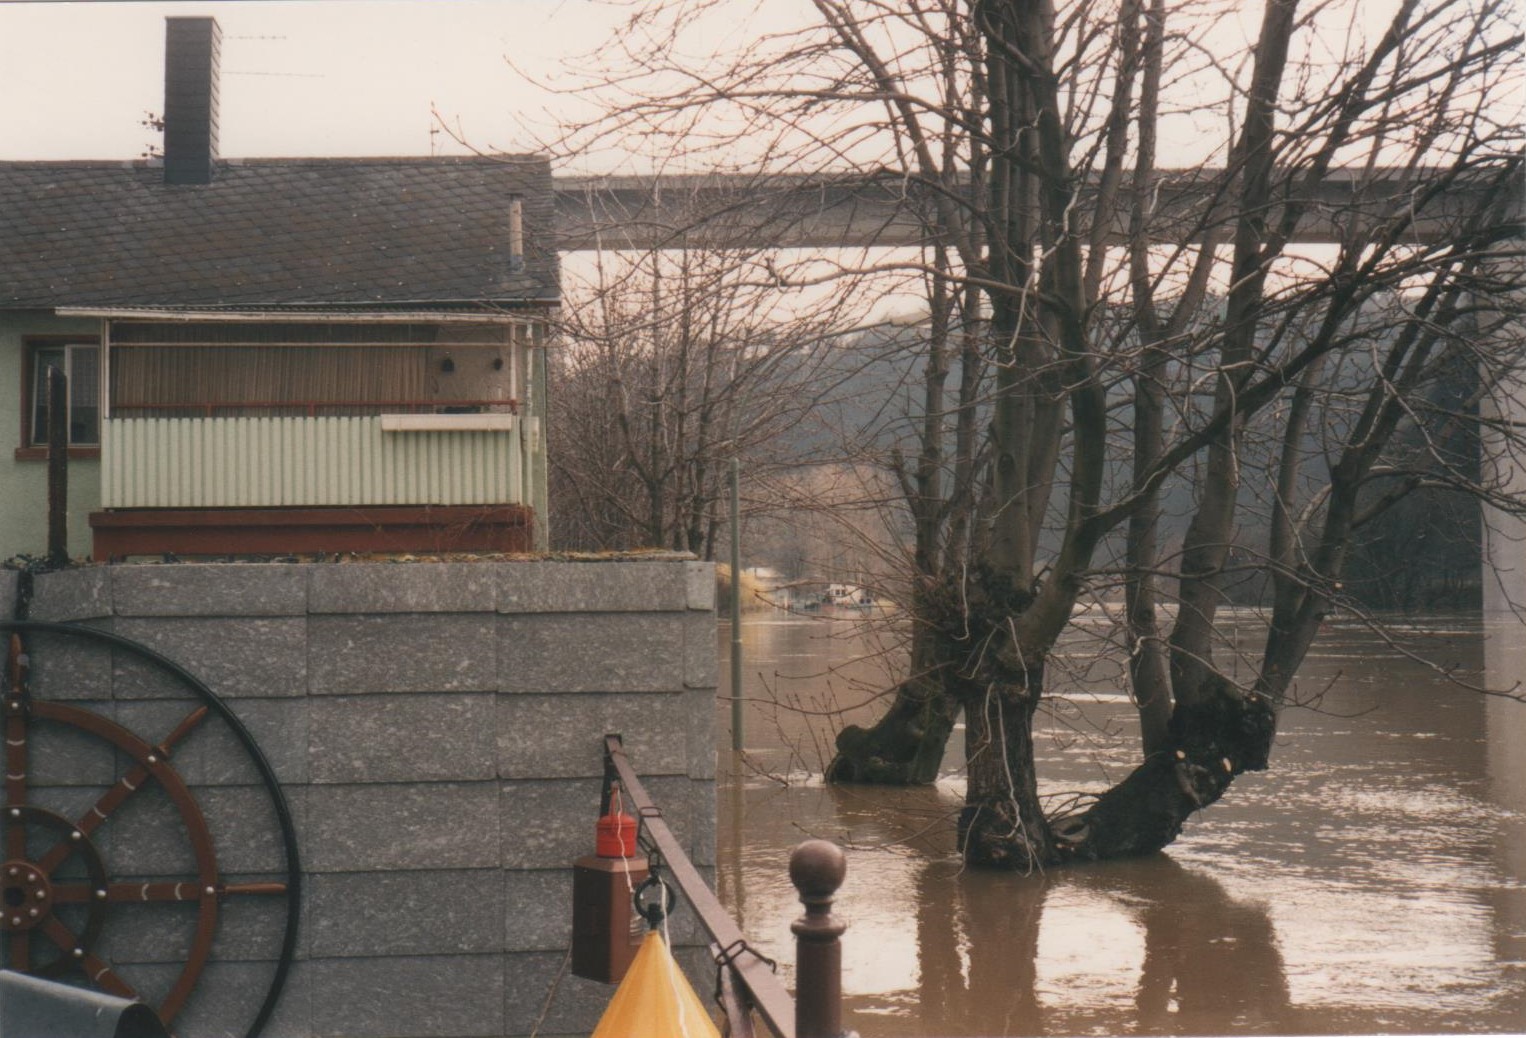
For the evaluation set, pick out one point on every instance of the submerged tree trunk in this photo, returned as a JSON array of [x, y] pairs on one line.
[[905, 746], [1215, 736]]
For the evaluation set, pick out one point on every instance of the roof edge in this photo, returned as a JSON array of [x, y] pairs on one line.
[[508, 158], [330, 316]]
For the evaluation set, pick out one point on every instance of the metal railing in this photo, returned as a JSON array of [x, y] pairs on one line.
[[748, 982]]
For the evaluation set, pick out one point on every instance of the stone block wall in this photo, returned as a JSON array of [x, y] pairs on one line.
[[437, 729]]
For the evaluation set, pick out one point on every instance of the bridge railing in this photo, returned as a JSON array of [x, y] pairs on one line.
[[748, 982]]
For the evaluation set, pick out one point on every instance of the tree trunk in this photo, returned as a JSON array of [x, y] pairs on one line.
[[1215, 735], [1002, 825], [905, 746]]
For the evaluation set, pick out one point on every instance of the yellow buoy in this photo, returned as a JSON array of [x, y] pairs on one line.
[[655, 1000]]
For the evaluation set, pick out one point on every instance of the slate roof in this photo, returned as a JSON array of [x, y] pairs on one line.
[[275, 232]]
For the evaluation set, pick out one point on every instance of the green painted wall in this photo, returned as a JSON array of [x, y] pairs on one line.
[[24, 484]]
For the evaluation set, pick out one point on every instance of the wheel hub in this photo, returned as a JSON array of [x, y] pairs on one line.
[[26, 897]]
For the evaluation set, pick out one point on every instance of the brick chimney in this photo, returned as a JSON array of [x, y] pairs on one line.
[[191, 54]]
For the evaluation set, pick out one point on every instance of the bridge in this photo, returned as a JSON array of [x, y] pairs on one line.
[[855, 210]]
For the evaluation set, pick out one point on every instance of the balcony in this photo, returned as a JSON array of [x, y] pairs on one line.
[[292, 483]]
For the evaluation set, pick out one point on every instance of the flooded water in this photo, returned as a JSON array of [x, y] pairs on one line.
[[1373, 881]]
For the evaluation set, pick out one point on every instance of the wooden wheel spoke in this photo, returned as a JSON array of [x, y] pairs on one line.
[[133, 781], [97, 969], [20, 951], [158, 891], [139, 774], [259, 889], [60, 935], [136, 778]]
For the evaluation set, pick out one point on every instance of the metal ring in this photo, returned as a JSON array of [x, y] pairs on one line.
[[654, 912]]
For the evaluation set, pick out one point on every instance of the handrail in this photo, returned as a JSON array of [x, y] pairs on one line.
[[766, 991]]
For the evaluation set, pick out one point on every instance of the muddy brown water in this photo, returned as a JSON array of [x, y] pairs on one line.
[[1373, 881]]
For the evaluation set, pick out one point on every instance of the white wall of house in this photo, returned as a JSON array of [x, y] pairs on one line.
[[24, 483]]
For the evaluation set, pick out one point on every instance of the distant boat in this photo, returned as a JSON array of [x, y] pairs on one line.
[[841, 598]]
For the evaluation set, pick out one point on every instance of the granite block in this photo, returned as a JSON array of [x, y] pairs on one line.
[[591, 587], [210, 589], [228, 996], [460, 996], [702, 823], [70, 802], [408, 738], [72, 594], [405, 652], [675, 796], [448, 587], [699, 584], [61, 754], [682, 927], [531, 978], [440, 912], [601, 652], [562, 736], [261, 657], [435, 825], [212, 754], [538, 908], [576, 1004], [539, 904], [148, 833], [699, 730], [548, 824], [69, 666], [702, 667]]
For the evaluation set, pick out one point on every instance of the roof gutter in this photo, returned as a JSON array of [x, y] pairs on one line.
[[289, 316]]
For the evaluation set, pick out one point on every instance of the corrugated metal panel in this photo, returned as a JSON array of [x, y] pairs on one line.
[[274, 462]]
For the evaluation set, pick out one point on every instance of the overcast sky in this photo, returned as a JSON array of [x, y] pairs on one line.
[[299, 78]]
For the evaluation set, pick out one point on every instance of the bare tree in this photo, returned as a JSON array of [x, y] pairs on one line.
[[669, 363], [1134, 335]]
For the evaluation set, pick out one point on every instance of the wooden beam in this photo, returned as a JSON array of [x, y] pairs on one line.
[[422, 529]]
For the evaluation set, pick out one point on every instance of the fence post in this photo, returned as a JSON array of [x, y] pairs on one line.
[[817, 869]]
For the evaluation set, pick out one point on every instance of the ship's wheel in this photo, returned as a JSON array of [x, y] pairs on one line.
[[61, 901]]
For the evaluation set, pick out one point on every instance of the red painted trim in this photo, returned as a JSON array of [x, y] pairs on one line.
[[41, 453], [414, 529]]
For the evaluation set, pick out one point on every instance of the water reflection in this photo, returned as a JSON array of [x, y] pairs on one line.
[[1156, 949], [1371, 882], [977, 969], [1211, 963]]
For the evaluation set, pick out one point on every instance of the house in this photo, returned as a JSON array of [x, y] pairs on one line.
[[276, 355]]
